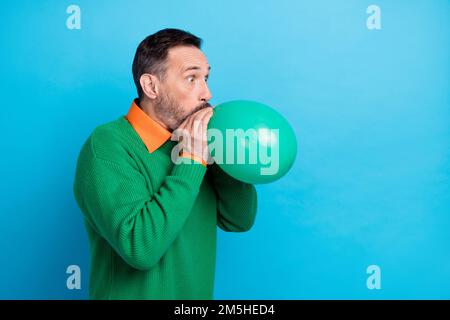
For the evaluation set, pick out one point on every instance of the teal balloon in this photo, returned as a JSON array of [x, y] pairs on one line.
[[251, 141]]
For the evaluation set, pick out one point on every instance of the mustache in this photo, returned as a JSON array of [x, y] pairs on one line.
[[200, 107]]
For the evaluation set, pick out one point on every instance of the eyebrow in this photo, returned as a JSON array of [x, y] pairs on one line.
[[195, 68]]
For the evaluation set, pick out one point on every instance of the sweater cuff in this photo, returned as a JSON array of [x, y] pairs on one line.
[[191, 170], [193, 157]]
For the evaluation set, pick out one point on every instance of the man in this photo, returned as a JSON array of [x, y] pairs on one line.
[[152, 219]]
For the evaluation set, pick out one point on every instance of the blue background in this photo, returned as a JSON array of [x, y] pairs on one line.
[[370, 108]]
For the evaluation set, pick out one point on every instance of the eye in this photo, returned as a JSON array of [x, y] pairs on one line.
[[191, 78], [206, 78]]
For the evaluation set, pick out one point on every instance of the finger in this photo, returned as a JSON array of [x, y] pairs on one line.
[[197, 119], [204, 113], [205, 120], [201, 111], [202, 122], [193, 123], [188, 130], [181, 128]]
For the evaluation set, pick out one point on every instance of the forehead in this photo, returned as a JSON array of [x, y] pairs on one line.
[[185, 57]]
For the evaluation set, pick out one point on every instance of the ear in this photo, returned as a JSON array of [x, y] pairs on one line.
[[150, 85]]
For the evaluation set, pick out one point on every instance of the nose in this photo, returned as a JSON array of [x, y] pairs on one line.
[[206, 93]]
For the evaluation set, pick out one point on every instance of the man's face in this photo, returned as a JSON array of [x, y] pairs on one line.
[[184, 89]]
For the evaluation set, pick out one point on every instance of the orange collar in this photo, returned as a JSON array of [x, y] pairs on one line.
[[151, 132]]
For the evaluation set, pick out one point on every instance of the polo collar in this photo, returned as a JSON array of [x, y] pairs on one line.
[[151, 132]]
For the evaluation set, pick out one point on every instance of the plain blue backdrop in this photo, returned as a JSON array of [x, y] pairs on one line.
[[370, 109]]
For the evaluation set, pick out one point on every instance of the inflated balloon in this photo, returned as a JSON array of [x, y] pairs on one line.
[[251, 141]]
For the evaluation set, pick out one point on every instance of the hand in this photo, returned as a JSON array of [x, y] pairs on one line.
[[192, 134]]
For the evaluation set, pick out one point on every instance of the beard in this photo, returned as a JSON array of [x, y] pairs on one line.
[[169, 111]]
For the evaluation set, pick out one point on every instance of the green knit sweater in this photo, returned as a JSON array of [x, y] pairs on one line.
[[151, 223]]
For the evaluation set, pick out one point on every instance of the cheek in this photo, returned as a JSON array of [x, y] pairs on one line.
[[187, 96], [179, 90]]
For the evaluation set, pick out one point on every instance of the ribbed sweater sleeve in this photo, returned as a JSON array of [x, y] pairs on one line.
[[139, 224], [236, 201]]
